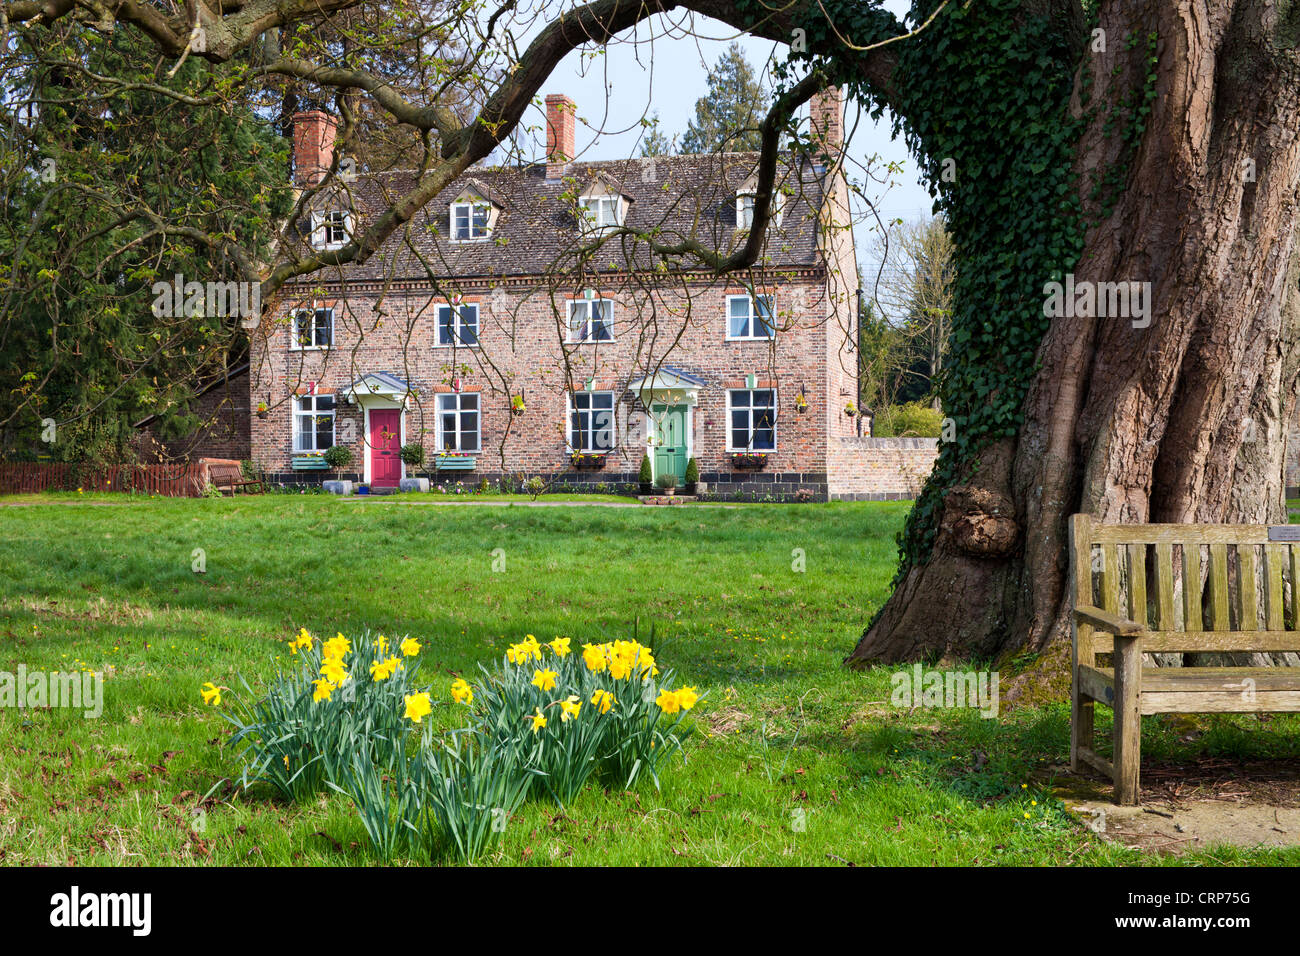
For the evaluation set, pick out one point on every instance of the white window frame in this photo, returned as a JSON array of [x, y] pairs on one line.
[[468, 206], [298, 413], [743, 199], [592, 216], [295, 342], [457, 326], [572, 411], [753, 317], [607, 320], [323, 225], [441, 437], [731, 447]]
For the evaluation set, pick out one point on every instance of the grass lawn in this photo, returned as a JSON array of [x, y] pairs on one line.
[[795, 760]]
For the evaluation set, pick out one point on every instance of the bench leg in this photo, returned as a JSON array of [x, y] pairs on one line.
[[1081, 732], [1128, 721]]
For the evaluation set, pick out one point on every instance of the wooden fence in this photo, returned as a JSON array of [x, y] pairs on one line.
[[174, 481]]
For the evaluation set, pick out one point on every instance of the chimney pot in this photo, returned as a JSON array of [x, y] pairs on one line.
[[560, 121], [313, 145]]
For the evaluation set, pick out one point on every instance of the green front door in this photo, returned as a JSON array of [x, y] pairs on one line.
[[670, 444]]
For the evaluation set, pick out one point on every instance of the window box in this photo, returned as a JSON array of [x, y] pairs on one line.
[[749, 459], [310, 463], [455, 462], [589, 460]]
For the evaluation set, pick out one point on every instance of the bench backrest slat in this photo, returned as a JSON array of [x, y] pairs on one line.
[[1218, 587], [1274, 605], [1137, 583], [1165, 586]]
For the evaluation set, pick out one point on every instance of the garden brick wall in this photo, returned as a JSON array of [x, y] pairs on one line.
[[873, 469]]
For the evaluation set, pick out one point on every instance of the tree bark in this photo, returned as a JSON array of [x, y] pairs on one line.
[[1184, 420]]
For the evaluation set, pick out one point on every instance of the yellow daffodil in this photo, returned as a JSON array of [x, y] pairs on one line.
[[544, 680], [211, 694], [619, 668], [323, 689], [336, 647], [461, 692], [417, 706], [686, 696], [668, 701], [382, 670], [410, 647], [561, 646], [569, 708], [334, 671], [602, 700], [593, 655], [381, 644], [538, 720]]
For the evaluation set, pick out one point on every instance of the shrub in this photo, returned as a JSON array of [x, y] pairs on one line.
[[647, 473], [413, 454], [535, 486], [692, 472], [912, 420], [338, 456]]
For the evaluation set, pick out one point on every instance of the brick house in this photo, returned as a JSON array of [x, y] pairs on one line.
[[489, 332]]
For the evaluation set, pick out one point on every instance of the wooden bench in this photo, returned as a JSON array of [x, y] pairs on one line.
[[1166, 588], [230, 478]]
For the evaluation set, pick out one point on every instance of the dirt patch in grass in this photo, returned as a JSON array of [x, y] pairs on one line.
[[1195, 804]]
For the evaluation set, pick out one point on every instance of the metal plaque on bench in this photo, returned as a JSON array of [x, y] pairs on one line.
[[1284, 532]]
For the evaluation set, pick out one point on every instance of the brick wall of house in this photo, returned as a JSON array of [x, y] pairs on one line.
[[879, 468], [520, 331]]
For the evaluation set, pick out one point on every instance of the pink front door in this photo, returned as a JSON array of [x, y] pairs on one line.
[[385, 447]]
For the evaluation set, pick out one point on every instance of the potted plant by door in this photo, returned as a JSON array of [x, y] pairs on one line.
[[646, 476], [338, 457], [692, 476], [413, 457], [667, 483]]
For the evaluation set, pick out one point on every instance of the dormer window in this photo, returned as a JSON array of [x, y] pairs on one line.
[[747, 199], [471, 220], [601, 211], [330, 230]]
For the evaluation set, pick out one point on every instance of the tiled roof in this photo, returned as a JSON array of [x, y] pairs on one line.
[[537, 230]]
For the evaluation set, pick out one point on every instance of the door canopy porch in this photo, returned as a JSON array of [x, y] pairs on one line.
[[378, 388], [667, 386]]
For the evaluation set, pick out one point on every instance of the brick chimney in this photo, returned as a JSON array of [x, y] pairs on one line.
[[313, 146], [560, 120], [826, 115]]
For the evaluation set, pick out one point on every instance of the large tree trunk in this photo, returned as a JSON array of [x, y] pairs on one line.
[[1183, 420]]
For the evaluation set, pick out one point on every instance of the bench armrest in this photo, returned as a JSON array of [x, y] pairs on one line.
[[1108, 622]]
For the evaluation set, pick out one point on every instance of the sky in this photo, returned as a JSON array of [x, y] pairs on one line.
[[615, 87]]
